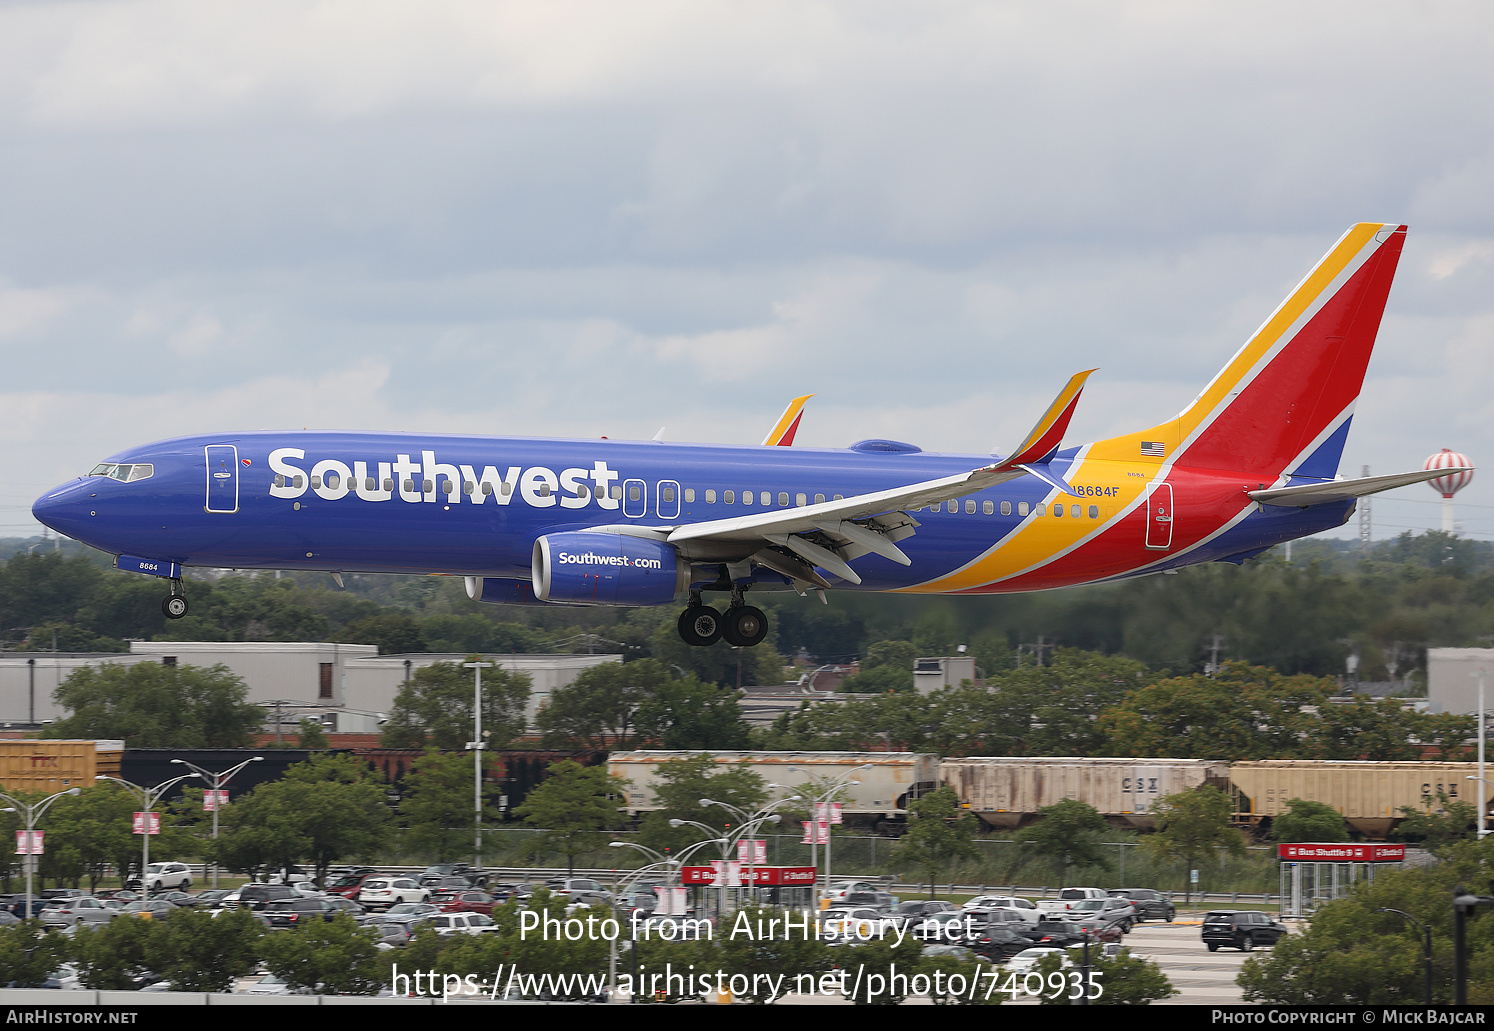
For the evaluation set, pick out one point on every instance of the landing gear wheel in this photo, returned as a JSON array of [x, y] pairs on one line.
[[174, 606], [745, 626], [700, 626]]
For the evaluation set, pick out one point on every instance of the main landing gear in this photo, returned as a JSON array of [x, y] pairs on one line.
[[174, 605], [743, 625]]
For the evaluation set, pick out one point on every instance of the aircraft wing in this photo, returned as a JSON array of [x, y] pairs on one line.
[[1304, 495], [829, 535]]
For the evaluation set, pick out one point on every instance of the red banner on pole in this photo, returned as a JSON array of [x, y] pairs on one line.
[[141, 823]]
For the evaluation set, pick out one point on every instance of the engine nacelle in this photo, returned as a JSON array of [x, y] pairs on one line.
[[607, 569]]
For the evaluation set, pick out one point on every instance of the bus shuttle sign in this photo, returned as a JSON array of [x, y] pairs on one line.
[[1342, 853]]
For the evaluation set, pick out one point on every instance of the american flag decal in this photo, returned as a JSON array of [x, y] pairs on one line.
[[1154, 448]]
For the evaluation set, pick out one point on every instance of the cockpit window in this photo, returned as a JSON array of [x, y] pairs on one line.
[[124, 473]]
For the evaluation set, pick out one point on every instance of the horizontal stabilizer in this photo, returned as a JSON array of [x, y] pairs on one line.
[[1306, 494]]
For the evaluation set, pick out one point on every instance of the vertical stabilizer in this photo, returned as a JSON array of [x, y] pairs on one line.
[[1284, 401]]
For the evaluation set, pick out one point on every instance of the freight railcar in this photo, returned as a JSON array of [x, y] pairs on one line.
[[1006, 792]]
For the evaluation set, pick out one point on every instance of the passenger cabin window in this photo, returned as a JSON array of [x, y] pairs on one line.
[[767, 498], [988, 507], [728, 497], [840, 497], [952, 506], [782, 499], [668, 496], [617, 492], [1094, 511], [689, 494], [1006, 508], [634, 494], [710, 497], [970, 508], [1022, 508], [819, 499], [746, 497]]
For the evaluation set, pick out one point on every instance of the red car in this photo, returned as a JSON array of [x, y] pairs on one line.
[[471, 901]]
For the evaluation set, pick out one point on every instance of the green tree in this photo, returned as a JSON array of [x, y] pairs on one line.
[[1438, 823], [1353, 952], [888, 666], [1070, 831], [679, 787], [1191, 826], [198, 952], [512, 949], [155, 706], [435, 708], [322, 810], [1244, 712], [939, 833], [874, 962], [29, 953], [1125, 979], [574, 804], [90, 833], [312, 735], [111, 956], [1309, 821], [329, 957], [437, 807], [741, 950], [394, 632]]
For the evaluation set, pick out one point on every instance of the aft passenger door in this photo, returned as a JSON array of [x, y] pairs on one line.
[[1159, 517], [222, 479]]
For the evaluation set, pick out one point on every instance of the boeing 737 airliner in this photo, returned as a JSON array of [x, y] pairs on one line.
[[1251, 463]]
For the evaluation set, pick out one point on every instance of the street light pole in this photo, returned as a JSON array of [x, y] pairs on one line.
[[149, 797], [216, 782], [33, 813], [477, 745]]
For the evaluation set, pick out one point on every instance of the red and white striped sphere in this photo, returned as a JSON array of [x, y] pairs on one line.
[[1450, 484]]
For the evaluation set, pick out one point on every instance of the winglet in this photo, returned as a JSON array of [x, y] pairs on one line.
[[782, 433], [1047, 435]]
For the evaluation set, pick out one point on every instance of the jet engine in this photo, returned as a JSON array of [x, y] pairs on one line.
[[607, 569]]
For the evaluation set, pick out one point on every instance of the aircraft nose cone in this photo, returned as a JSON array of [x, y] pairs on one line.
[[64, 509]]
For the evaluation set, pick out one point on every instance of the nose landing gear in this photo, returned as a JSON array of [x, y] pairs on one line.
[[174, 605]]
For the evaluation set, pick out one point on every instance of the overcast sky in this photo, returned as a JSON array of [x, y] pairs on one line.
[[600, 218]]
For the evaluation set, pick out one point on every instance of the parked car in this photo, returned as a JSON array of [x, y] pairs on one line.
[[300, 912], [916, 909], [384, 892], [862, 924], [1057, 909], [472, 901], [1150, 904], [1095, 914], [74, 912], [1011, 903], [999, 942], [1024, 961], [447, 924], [837, 892], [258, 896], [1241, 929], [164, 875]]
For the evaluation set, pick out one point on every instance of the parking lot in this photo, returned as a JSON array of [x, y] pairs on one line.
[[1204, 977]]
